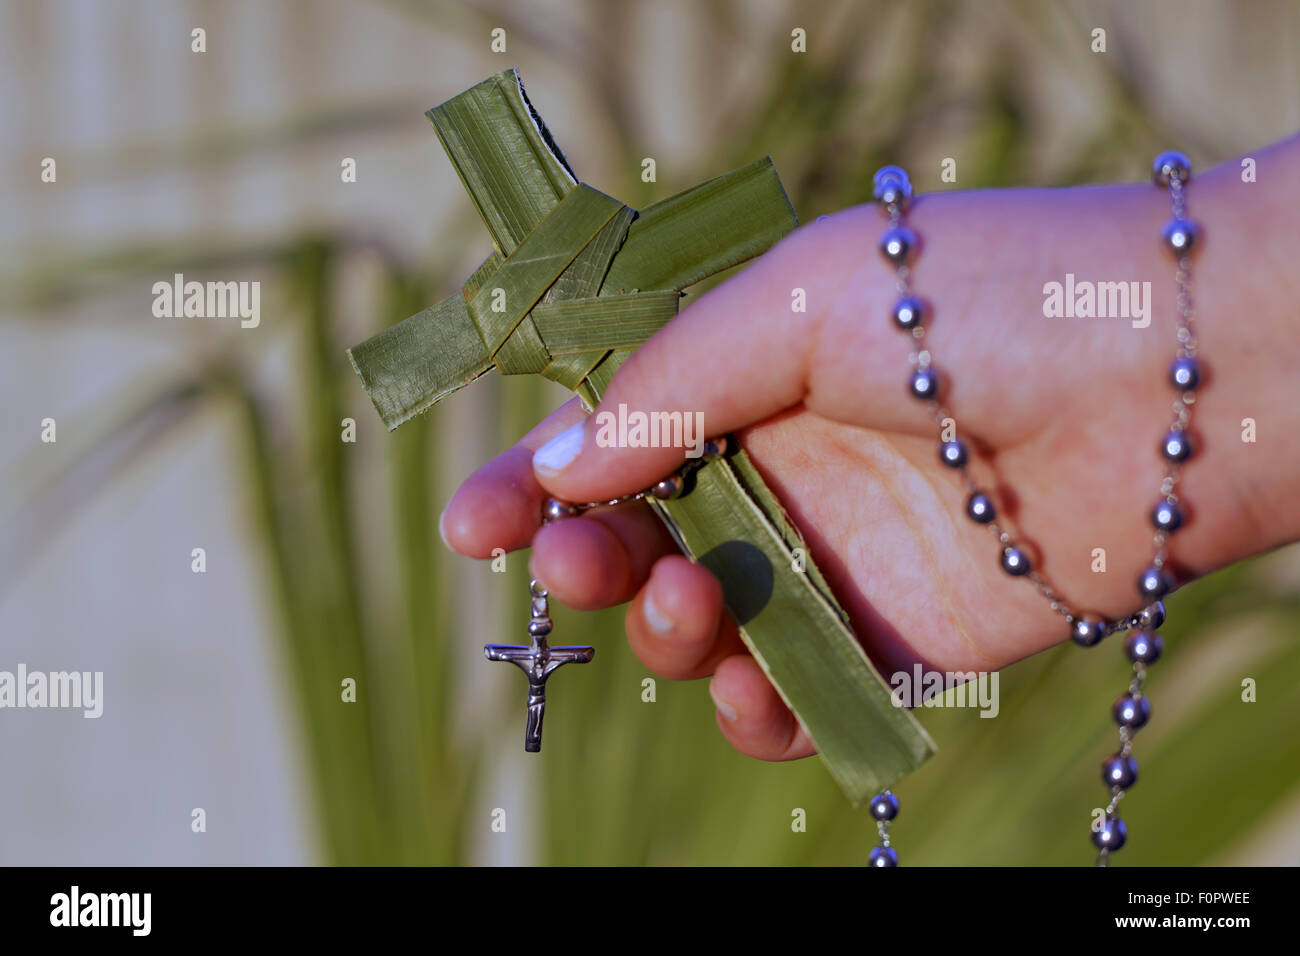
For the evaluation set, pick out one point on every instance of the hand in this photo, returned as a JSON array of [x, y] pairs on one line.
[[1063, 416]]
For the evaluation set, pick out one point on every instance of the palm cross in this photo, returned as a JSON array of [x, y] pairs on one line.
[[575, 283]]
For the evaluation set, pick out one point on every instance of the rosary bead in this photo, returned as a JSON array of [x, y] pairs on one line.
[[540, 627], [882, 856], [669, 488], [924, 383], [1171, 165], [716, 447], [553, 509], [909, 312], [1015, 562], [953, 453], [898, 244], [884, 806], [1119, 770], [1167, 516], [1087, 631], [979, 507], [1185, 373], [1151, 617], [1155, 583], [1176, 446], [1132, 712], [1144, 647], [1111, 835], [1180, 236], [892, 189]]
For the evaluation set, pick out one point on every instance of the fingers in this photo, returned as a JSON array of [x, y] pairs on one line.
[[499, 506], [600, 559], [676, 625], [678, 629], [595, 561], [739, 355], [752, 716]]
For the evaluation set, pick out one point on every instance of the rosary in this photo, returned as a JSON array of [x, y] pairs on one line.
[[1132, 710], [538, 659]]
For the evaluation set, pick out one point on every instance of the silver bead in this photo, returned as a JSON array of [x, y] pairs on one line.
[[979, 508], [891, 190], [924, 383], [953, 453], [1015, 562], [668, 489], [716, 447], [1176, 446], [1144, 647], [539, 627], [1119, 770], [553, 509], [1185, 373], [1087, 631], [1151, 617], [1132, 712], [898, 244], [1180, 235], [883, 856], [1111, 835], [1167, 516], [909, 312], [1171, 165], [1154, 583], [884, 806]]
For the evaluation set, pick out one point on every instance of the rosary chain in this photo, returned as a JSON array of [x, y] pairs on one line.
[[899, 245], [883, 808], [670, 488]]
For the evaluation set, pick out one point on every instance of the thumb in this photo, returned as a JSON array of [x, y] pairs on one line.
[[739, 355]]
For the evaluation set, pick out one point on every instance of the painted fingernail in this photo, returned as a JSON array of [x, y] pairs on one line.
[[553, 457], [659, 622], [724, 708]]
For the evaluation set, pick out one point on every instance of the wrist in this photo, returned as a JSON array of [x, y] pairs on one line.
[[1246, 288]]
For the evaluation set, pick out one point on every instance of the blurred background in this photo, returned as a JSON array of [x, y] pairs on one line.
[[323, 562]]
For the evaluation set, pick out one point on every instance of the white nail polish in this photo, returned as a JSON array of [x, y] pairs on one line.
[[659, 622], [725, 709], [553, 457]]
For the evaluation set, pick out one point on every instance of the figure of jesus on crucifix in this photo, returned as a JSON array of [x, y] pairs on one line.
[[538, 660]]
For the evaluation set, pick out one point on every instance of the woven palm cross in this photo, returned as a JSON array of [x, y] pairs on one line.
[[576, 282]]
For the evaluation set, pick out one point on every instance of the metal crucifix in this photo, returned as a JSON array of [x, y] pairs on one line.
[[539, 661]]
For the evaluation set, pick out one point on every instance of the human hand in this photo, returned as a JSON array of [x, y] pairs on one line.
[[1063, 416]]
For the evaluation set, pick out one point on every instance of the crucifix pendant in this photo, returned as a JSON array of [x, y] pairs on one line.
[[538, 660]]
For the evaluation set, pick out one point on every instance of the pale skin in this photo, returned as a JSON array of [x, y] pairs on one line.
[[1065, 415]]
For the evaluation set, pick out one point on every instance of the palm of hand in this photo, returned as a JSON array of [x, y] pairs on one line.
[[1063, 417]]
